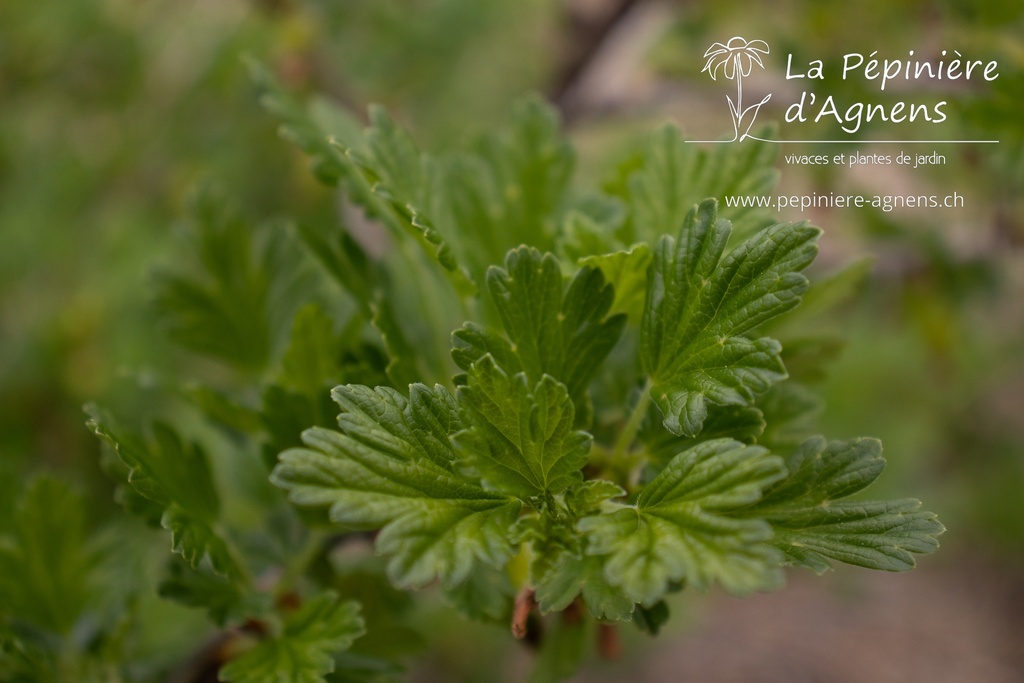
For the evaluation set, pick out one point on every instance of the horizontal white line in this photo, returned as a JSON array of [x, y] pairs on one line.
[[857, 142]]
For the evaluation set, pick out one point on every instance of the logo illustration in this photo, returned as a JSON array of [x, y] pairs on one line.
[[736, 59]]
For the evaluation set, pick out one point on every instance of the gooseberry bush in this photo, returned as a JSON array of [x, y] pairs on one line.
[[554, 405]]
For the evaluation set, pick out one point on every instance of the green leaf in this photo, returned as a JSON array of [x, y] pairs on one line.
[[393, 159], [382, 171], [344, 260], [485, 595], [304, 650], [407, 182], [247, 286], [531, 165], [566, 643], [698, 305], [405, 366], [674, 176], [311, 363], [741, 423], [651, 619], [506, 192], [680, 530], [813, 525], [626, 271], [790, 411], [176, 478], [46, 564], [299, 127], [223, 408], [584, 575], [587, 496], [392, 465], [521, 436], [223, 600], [582, 235], [554, 329]]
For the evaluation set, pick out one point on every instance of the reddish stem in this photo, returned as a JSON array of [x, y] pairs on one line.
[[525, 602]]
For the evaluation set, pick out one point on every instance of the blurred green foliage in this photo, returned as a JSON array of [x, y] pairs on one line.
[[112, 111]]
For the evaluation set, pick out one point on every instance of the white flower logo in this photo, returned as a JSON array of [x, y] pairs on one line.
[[736, 59]]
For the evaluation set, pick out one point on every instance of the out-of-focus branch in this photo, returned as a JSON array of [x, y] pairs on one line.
[[588, 29]]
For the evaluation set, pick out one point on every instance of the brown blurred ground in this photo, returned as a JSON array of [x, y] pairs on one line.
[[959, 622]]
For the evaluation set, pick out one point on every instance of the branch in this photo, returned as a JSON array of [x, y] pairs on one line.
[[585, 40]]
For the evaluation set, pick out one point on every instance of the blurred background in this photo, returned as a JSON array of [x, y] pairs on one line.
[[111, 110]]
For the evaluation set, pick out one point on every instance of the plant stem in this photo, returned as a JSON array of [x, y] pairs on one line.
[[636, 419]]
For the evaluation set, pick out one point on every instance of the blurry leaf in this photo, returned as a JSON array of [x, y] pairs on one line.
[[224, 600], [299, 127], [405, 180], [393, 159], [651, 619], [485, 595], [583, 236], [674, 176], [286, 414], [698, 303], [531, 165], [587, 496], [224, 409], [176, 477], [790, 412], [565, 646], [382, 172], [825, 294], [345, 260], [507, 191], [807, 358], [405, 365], [249, 287], [584, 575], [46, 563], [357, 574], [311, 363], [304, 649]]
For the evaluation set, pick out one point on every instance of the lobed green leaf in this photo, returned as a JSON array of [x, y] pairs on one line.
[[681, 531], [176, 478], [812, 525], [520, 435], [698, 305], [304, 650], [563, 331], [392, 465]]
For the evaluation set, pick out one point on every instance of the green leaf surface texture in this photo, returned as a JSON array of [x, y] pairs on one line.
[[700, 301], [680, 530], [553, 328], [521, 436], [392, 465], [812, 524]]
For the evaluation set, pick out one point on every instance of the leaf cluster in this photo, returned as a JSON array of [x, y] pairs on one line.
[[582, 402]]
